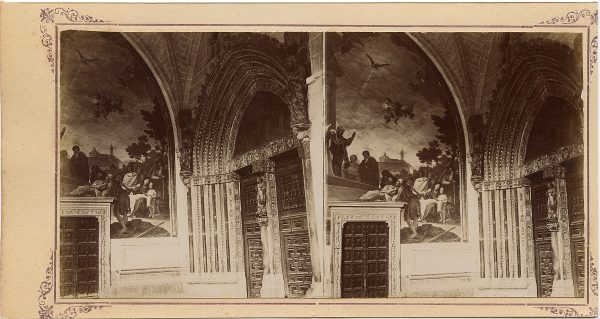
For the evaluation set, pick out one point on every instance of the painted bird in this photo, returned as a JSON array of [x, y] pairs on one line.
[[85, 60]]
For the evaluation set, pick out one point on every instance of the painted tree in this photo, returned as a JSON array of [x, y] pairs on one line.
[[445, 142], [155, 125], [139, 148], [155, 130]]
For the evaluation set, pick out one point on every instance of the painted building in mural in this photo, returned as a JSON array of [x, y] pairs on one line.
[[103, 161]]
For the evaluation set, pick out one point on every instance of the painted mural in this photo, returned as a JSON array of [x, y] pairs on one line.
[[113, 132], [396, 135]]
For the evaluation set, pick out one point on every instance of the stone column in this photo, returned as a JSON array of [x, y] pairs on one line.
[[273, 285], [563, 287], [477, 181], [330, 87], [236, 239], [526, 235], [507, 228], [316, 287]]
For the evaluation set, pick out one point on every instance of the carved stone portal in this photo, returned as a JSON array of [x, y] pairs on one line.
[[101, 209], [343, 212]]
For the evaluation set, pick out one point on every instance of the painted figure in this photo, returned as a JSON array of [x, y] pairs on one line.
[[409, 195], [387, 179], [351, 172], [369, 170], [429, 203], [78, 167], [152, 199], [115, 189], [442, 200], [337, 147]]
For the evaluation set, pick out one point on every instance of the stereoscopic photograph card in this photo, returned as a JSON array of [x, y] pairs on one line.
[[303, 160]]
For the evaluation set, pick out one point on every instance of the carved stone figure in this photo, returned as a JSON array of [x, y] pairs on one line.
[[552, 224]]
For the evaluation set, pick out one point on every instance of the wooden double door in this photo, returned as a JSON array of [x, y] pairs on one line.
[[79, 266], [543, 247], [293, 226], [365, 260]]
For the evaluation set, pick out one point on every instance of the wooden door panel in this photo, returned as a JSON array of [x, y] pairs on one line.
[[365, 254], [253, 250], [575, 204], [544, 259], [298, 264], [79, 259], [293, 226], [543, 247], [254, 260]]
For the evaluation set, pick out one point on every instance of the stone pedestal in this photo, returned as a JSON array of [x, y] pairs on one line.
[[563, 288], [316, 290], [272, 286]]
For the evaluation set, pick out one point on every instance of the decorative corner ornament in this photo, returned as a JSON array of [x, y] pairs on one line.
[[46, 309], [593, 53], [570, 312], [47, 16], [574, 16]]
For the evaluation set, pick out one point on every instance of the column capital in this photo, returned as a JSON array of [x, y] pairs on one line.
[[302, 132], [234, 177], [556, 171], [263, 166], [184, 155]]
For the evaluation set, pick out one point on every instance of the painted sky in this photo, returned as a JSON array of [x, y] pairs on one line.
[[358, 102], [116, 74]]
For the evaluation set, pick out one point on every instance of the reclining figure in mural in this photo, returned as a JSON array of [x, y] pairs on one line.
[[417, 198], [134, 193], [401, 191]]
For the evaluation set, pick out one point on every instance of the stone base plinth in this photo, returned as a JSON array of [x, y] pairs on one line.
[[315, 290], [272, 286], [563, 288]]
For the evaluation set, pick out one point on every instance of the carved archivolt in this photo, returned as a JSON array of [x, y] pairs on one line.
[[245, 64], [533, 72]]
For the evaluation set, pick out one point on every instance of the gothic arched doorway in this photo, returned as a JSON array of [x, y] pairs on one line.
[[250, 121], [265, 120], [557, 130], [533, 144]]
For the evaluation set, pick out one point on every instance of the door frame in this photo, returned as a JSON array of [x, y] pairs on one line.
[[365, 257], [389, 212], [101, 209]]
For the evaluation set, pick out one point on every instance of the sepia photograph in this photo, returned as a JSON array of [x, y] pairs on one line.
[[452, 158], [233, 109], [299, 160]]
